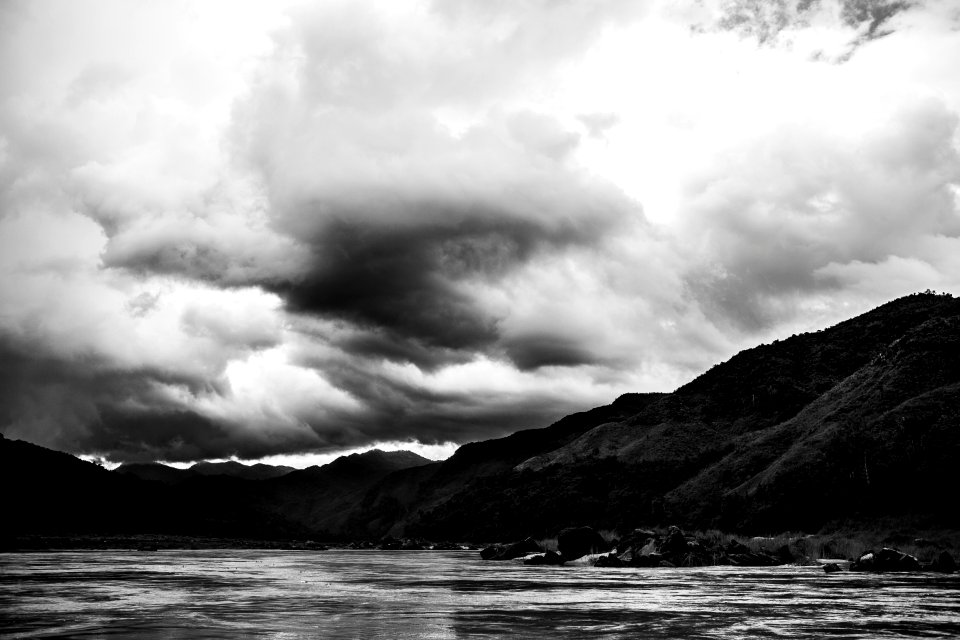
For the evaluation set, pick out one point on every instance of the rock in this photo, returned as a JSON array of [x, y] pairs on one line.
[[511, 551], [886, 559], [831, 567], [583, 561], [675, 544], [576, 542], [628, 556], [609, 560], [491, 552], [649, 560], [637, 539], [549, 558], [944, 563]]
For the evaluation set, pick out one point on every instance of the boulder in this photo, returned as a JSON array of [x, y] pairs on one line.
[[650, 547], [549, 558], [511, 551], [491, 552], [675, 544], [886, 559], [628, 556], [649, 560], [609, 560], [697, 555], [576, 542], [944, 563], [831, 567], [637, 539]]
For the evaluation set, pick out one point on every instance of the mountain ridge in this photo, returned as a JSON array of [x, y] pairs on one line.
[[852, 423]]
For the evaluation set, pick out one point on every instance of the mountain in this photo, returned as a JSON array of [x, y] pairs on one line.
[[49, 491], [158, 472], [153, 471], [321, 499], [854, 423], [235, 469]]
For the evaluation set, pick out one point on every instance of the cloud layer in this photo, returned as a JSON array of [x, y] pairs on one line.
[[240, 230]]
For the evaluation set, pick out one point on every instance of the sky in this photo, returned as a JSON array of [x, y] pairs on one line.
[[284, 231]]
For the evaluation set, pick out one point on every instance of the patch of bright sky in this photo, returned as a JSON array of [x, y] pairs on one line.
[[439, 451]]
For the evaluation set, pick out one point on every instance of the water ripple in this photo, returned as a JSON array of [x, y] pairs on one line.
[[368, 594]]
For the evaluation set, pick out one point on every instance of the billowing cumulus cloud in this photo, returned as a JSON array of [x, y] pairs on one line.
[[822, 198], [252, 230]]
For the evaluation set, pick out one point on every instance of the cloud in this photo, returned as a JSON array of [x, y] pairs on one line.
[[264, 230], [774, 21], [401, 215], [819, 198]]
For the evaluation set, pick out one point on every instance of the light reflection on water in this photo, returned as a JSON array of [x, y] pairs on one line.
[[434, 594]]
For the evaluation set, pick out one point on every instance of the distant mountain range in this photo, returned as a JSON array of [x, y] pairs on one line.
[[855, 425], [172, 475]]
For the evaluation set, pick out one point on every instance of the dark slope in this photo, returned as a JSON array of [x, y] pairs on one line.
[[158, 472], [303, 503], [473, 476], [884, 442], [47, 491], [235, 469], [153, 471], [853, 422], [319, 500], [51, 493]]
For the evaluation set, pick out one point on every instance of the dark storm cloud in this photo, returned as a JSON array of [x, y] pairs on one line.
[[398, 409], [535, 351], [88, 405], [402, 217], [404, 282], [78, 404]]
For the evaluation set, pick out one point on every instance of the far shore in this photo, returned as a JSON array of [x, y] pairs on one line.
[[809, 548]]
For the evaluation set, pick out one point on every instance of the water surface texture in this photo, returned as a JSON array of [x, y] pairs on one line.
[[431, 594]]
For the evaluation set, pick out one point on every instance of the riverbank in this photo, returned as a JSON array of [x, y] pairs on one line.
[[708, 547]]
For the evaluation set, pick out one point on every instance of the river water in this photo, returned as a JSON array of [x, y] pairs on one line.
[[434, 594]]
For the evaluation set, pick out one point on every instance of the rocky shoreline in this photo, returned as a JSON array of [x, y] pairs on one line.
[[574, 546], [583, 546]]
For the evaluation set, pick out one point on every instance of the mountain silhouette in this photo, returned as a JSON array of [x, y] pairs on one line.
[[158, 472], [854, 425]]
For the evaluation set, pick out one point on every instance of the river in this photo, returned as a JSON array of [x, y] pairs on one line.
[[433, 594]]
